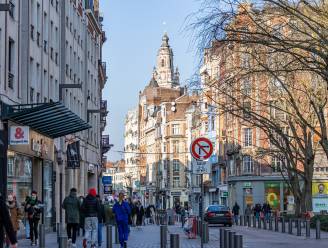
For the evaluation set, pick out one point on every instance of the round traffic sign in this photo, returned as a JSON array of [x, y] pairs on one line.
[[201, 148]]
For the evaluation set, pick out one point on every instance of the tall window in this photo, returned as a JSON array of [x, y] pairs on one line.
[[175, 129], [276, 164], [248, 137], [31, 95], [176, 182], [11, 55], [175, 146], [232, 167], [246, 88], [248, 164], [176, 165]]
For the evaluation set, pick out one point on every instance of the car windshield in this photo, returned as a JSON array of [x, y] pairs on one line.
[[215, 208]]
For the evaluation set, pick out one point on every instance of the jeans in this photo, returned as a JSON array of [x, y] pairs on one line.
[[34, 223], [91, 229], [71, 231], [235, 219], [123, 232], [27, 228], [100, 233]]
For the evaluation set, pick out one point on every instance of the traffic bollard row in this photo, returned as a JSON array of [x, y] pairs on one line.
[[63, 242], [174, 241], [276, 224], [307, 228], [299, 227], [163, 235], [205, 233], [42, 236], [109, 236], [290, 226], [229, 239], [317, 229]]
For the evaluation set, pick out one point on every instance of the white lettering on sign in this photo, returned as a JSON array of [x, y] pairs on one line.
[[201, 166], [19, 135]]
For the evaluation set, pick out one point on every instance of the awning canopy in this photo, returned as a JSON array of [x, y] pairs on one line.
[[50, 119]]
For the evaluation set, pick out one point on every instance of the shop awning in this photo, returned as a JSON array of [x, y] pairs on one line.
[[50, 119]]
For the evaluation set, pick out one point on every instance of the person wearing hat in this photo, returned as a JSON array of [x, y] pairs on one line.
[[122, 212], [6, 225], [90, 208]]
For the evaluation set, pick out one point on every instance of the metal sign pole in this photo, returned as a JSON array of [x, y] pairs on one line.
[[201, 211]]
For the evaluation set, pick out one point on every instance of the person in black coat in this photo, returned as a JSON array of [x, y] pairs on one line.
[[101, 220], [140, 213], [5, 224]]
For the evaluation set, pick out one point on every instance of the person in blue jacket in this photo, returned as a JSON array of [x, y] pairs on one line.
[[122, 212]]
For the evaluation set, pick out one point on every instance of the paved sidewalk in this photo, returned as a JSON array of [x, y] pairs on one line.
[[149, 237]]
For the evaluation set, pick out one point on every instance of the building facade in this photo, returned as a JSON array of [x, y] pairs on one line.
[[50, 58]]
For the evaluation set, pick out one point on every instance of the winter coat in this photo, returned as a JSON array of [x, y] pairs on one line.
[[33, 209], [5, 224], [101, 214], [15, 214], [140, 214], [71, 204], [235, 209], [122, 211], [90, 206], [109, 215]]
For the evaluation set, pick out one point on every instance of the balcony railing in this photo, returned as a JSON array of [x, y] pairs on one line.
[[105, 143]]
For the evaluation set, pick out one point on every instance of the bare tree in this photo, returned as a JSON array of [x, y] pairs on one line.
[[280, 46]]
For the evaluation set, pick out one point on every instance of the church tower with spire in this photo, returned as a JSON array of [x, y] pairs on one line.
[[164, 72]]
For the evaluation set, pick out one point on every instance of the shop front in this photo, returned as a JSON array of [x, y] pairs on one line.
[[320, 196], [30, 167]]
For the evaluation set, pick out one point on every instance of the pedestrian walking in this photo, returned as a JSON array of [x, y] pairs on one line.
[[140, 214], [122, 211], [6, 225], [235, 211], [257, 210], [148, 215], [71, 204], [15, 215], [133, 213], [90, 208], [266, 211], [25, 220], [33, 208], [101, 221], [183, 216], [81, 222]]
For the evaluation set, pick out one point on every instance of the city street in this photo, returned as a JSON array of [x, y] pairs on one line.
[[149, 237]]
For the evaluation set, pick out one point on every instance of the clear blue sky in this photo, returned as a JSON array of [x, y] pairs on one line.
[[134, 29]]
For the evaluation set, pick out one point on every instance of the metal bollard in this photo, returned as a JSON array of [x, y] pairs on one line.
[[270, 224], [264, 224], [116, 235], [249, 221], [163, 229], [241, 220], [205, 233], [307, 229], [174, 240], [42, 236], [63, 242], [57, 230], [283, 225], [259, 223], [290, 226], [231, 240], [317, 229], [221, 237], [299, 227], [245, 220], [254, 221], [109, 236], [276, 224], [226, 238], [238, 241]]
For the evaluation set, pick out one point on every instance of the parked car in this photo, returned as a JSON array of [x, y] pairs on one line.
[[218, 214]]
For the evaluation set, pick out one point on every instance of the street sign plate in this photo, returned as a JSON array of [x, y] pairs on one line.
[[201, 166], [108, 189], [107, 180], [201, 148]]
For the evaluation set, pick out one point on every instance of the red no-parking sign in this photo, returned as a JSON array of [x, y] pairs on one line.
[[201, 148]]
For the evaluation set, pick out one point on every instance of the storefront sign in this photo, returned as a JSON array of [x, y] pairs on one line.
[[211, 190], [247, 185], [91, 168], [19, 135], [176, 193], [106, 180], [224, 194], [272, 194], [290, 199], [319, 204], [108, 189], [73, 155]]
